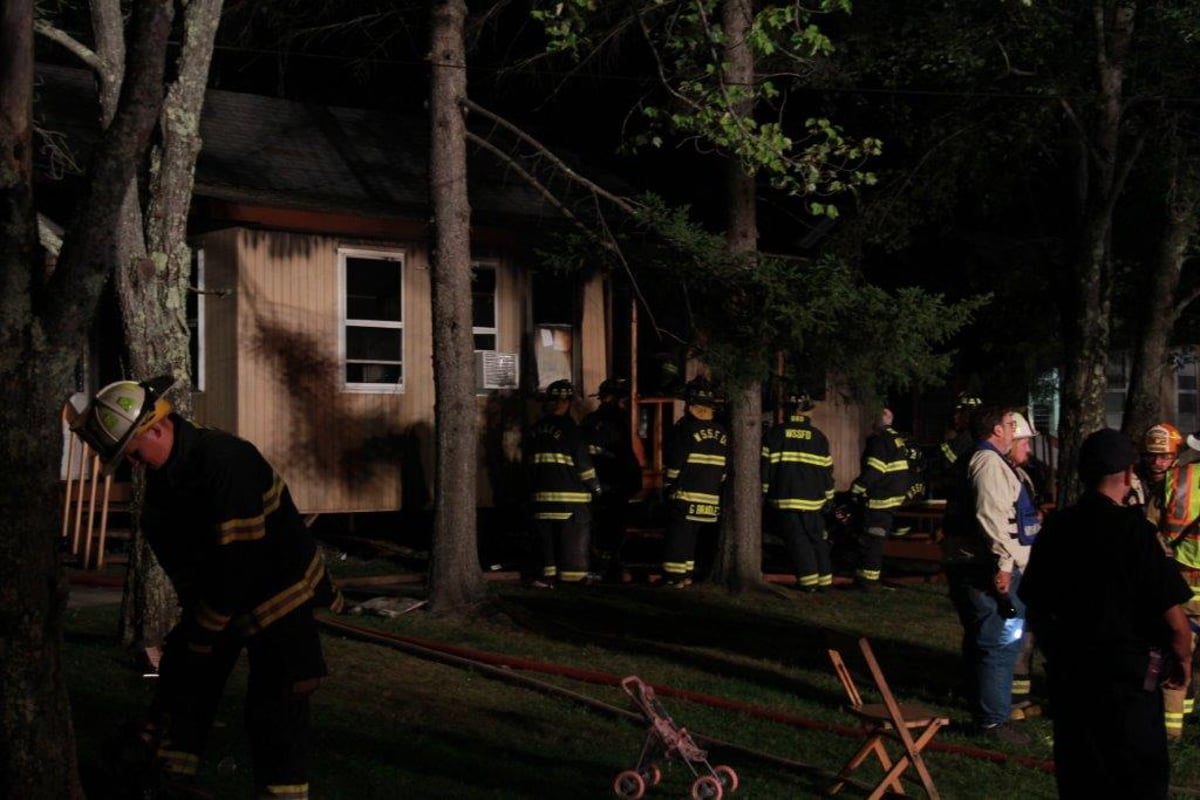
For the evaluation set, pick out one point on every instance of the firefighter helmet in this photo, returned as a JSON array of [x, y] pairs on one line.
[[1023, 427], [699, 392], [120, 411], [1162, 438], [560, 390], [799, 400], [967, 401], [613, 387]]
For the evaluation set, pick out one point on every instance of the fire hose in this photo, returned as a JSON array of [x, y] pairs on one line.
[[501, 666]]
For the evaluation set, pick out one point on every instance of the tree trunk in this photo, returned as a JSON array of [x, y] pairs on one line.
[[1144, 403], [44, 321], [37, 753], [1087, 295], [739, 557], [153, 283], [455, 578]]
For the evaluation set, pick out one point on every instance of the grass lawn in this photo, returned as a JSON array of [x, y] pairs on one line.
[[390, 723]]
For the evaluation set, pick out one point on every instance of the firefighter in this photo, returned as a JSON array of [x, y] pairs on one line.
[[1179, 529], [618, 470], [694, 469], [959, 441], [563, 482], [882, 486], [797, 474], [247, 573], [1160, 448]]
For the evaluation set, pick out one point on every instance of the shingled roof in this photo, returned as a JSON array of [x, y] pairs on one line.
[[285, 154]]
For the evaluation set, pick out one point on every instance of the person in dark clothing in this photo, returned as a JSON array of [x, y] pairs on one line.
[[618, 470], [1105, 605], [797, 472], [247, 573], [882, 486], [563, 482], [694, 470]]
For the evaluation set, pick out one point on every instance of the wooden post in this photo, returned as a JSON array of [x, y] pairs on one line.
[[79, 488], [87, 542], [103, 523], [66, 521]]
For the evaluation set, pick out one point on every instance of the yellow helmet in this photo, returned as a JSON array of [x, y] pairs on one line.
[[1162, 438], [120, 411]]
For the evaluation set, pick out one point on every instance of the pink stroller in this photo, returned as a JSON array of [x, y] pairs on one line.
[[667, 740]]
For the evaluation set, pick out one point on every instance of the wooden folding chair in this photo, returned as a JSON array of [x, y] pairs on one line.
[[887, 720]]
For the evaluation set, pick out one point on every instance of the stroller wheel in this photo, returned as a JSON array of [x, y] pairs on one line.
[[629, 785], [706, 787], [727, 777], [652, 775]]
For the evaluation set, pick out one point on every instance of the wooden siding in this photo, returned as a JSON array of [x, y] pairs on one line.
[[593, 356], [274, 376], [844, 425]]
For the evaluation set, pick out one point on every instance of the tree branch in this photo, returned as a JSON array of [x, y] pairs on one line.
[[72, 45]]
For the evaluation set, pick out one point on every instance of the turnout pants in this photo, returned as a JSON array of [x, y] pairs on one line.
[[1180, 703], [876, 525], [679, 546], [565, 545], [286, 665], [808, 545]]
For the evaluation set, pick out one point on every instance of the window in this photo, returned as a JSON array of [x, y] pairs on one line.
[[483, 306], [195, 319], [1118, 384], [372, 320], [1186, 406]]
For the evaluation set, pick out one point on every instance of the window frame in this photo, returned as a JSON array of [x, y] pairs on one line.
[[199, 333], [494, 331], [397, 257]]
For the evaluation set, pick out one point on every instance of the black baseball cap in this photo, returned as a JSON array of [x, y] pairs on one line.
[[1105, 452]]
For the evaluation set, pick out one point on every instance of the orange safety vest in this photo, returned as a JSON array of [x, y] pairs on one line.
[[1180, 523]]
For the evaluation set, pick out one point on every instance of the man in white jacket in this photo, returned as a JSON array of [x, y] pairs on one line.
[[984, 567]]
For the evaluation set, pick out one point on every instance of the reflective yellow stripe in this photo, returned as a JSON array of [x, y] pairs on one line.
[[698, 497], [949, 453], [587, 475], [178, 762], [887, 466], [867, 574], [291, 791], [292, 597], [553, 516], [825, 580], [1020, 686], [790, 457], [561, 497], [672, 474], [550, 571], [571, 577], [701, 458], [797, 505], [675, 567], [553, 458], [886, 502], [252, 528], [809, 580]]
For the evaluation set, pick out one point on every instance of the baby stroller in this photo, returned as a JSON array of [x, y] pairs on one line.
[[665, 740]]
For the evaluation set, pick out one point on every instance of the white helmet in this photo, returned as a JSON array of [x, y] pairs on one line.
[[119, 412], [1023, 428]]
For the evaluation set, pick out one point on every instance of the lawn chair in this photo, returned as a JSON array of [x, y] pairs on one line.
[[889, 720]]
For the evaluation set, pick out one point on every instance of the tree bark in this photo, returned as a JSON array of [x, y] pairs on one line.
[[44, 321], [455, 578], [153, 284], [739, 555], [1087, 294]]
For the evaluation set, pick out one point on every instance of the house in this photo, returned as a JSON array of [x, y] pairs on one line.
[[311, 323]]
